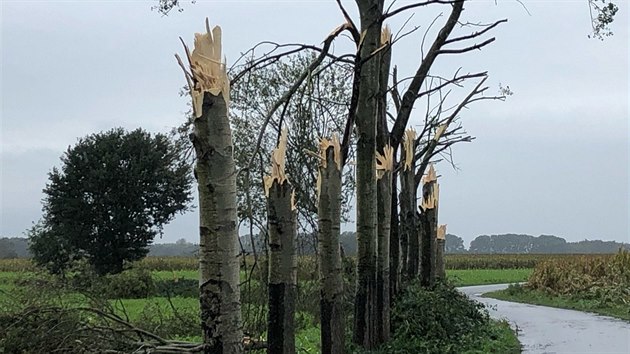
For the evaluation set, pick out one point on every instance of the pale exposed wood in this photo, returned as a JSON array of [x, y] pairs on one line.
[[385, 162], [441, 232], [409, 139], [440, 130], [386, 35], [278, 157], [430, 176], [432, 199], [207, 69], [324, 144]]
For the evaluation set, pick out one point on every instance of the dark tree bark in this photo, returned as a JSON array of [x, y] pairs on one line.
[[331, 272], [384, 166], [366, 114], [440, 262], [428, 220], [394, 240], [282, 223], [384, 185], [408, 206]]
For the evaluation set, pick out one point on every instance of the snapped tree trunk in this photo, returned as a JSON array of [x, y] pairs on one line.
[[440, 262], [384, 170], [331, 272], [282, 225], [394, 239], [371, 12], [384, 185], [409, 237], [428, 219], [215, 171]]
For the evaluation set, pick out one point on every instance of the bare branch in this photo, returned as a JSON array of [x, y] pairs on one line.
[[475, 34], [289, 93], [467, 49], [413, 6], [409, 97], [352, 28]]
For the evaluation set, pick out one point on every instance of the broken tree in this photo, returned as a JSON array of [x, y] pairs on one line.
[[330, 268], [281, 220], [428, 222], [215, 171]]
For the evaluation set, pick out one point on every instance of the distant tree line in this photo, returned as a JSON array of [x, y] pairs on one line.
[[16, 247]]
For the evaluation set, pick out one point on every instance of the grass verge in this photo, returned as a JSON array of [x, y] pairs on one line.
[[517, 293]]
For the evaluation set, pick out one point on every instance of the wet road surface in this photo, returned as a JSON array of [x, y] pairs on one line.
[[549, 330]]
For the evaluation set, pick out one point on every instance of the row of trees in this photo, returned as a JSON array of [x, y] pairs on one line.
[[396, 235]]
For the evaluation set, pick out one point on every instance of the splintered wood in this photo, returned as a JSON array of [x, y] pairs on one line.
[[441, 232], [408, 143], [207, 70], [384, 162], [431, 201], [440, 130], [278, 156], [324, 144], [386, 35]]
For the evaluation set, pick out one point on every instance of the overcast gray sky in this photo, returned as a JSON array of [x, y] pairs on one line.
[[552, 159]]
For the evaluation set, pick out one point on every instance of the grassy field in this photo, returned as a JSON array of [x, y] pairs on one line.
[[176, 316], [467, 277]]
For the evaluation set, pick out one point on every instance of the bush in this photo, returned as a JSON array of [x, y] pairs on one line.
[[177, 287], [130, 284], [441, 320]]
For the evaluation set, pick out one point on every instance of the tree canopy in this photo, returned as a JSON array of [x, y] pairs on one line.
[[113, 194]]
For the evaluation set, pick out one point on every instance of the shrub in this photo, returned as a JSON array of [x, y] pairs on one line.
[[439, 320], [130, 284], [177, 287]]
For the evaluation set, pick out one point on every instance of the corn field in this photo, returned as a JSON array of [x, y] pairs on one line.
[[598, 277], [307, 264]]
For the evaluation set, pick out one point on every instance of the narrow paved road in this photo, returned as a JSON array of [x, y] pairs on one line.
[[549, 330]]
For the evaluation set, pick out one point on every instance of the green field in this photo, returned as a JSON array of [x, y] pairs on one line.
[[176, 316], [468, 277]]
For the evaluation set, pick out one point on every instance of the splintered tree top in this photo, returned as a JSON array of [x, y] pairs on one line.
[[207, 70]]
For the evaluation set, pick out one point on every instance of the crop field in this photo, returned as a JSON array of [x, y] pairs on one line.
[[598, 284], [453, 261]]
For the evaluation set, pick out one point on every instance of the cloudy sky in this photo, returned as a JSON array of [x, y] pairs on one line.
[[552, 159]]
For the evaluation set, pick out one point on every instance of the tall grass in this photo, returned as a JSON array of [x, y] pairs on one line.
[[603, 278]]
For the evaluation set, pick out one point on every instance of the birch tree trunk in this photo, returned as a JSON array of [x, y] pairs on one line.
[[394, 239], [331, 272], [371, 12], [282, 224], [215, 171], [384, 185], [428, 218], [409, 237], [384, 170], [440, 262]]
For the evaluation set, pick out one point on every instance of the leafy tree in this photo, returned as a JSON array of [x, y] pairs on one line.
[[602, 16], [454, 244], [7, 250], [111, 197]]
